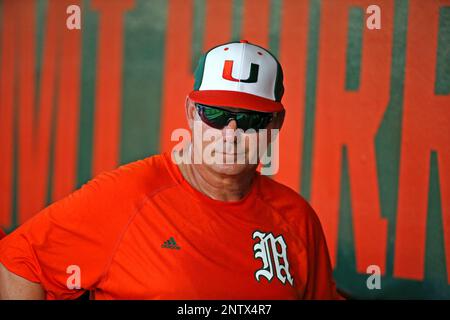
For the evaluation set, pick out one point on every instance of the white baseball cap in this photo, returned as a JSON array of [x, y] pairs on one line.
[[240, 75]]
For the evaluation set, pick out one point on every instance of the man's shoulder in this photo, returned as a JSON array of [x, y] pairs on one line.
[[285, 200], [142, 177], [272, 190]]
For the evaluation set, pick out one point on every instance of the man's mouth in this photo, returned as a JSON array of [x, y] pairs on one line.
[[231, 154]]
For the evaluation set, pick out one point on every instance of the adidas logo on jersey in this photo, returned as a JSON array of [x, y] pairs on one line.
[[170, 244]]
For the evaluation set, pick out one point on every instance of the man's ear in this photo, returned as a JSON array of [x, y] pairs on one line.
[[190, 112]]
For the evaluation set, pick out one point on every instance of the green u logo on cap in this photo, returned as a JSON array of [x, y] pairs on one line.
[[228, 71]]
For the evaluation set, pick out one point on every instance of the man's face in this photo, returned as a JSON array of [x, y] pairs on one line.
[[230, 150]]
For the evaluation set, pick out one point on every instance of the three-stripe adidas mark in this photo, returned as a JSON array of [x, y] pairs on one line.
[[170, 244]]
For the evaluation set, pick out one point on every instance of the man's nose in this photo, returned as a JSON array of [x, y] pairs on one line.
[[231, 125], [229, 130]]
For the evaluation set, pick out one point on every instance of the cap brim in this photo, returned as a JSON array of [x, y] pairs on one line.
[[235, 99]]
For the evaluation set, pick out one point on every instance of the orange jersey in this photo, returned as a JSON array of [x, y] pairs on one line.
[[142, 232]]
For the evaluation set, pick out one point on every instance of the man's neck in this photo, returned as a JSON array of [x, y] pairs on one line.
[[215, 185]]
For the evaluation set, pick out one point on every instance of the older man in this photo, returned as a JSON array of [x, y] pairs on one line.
[[160, 228]]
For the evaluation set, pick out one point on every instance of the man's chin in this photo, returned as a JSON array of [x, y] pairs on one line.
[[231, 169]]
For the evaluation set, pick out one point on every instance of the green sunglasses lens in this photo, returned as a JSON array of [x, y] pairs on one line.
[[216, 118], [255, 121], [244, 121]]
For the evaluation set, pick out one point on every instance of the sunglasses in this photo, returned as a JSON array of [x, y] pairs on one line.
[[218, 118]]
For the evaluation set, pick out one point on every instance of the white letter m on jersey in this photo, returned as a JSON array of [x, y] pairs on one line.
[[272, 258]]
